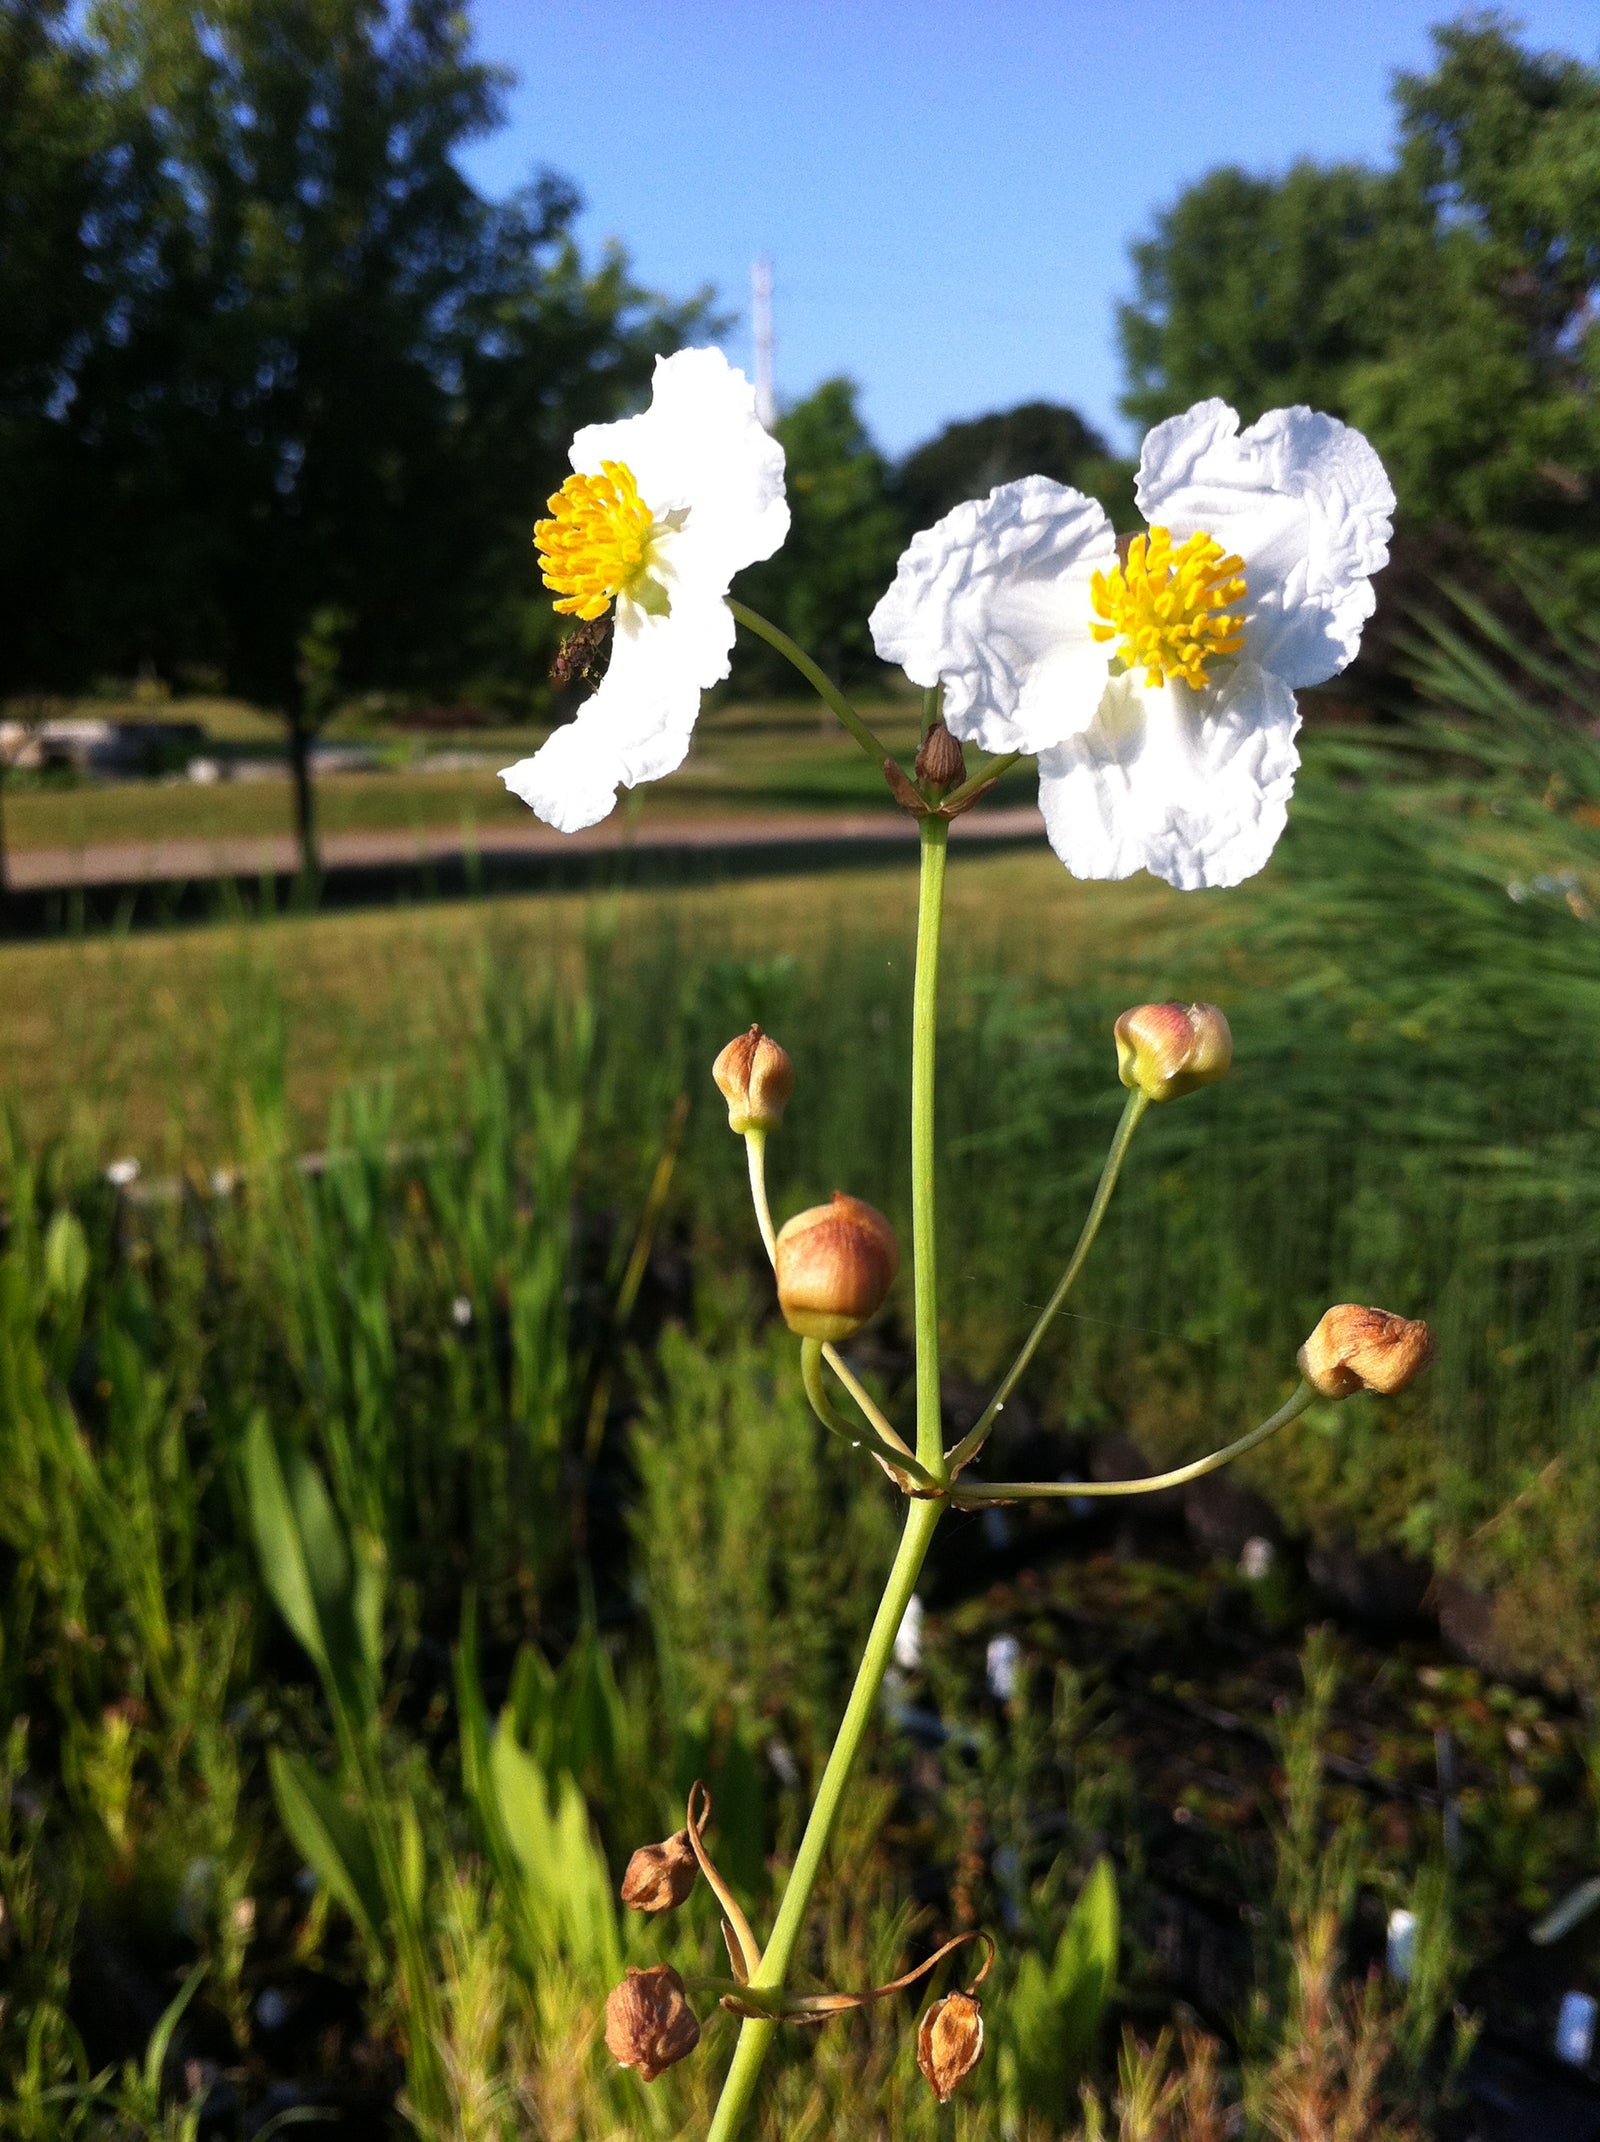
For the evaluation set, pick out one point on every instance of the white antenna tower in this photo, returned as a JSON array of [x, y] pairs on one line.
[[761, 310]]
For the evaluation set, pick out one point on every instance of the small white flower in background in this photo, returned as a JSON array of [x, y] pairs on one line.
[[661, 511], [908, 1637], [122, 1174], [1158, 692]]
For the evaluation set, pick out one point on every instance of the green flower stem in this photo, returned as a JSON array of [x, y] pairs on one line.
[[972, 1442], [820, 682], [935, 837], [922, 1516], [984, 1491], [983, 776], [756, 2036], [755, 1148], [822, 1406], [755, 1144]]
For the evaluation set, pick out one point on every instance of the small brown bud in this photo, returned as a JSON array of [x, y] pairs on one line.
[[836, 1262], [649, 2023], [939, 764], [756, 1079], [1167, 1050], [1355, 1349], [950, 2043], [660, 1876]]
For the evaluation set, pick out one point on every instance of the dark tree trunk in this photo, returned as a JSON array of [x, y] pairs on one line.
[[305, 811]]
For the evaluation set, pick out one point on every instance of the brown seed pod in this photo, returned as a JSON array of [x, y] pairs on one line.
[[1167, 1050], [649, 2023], [950, 2043], [940, 764], [1356, 1349], [835, 1264], [756, 1079], [660, 1876]]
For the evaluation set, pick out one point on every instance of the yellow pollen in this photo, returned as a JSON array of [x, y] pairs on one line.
[[1171, 609], [596, 541]]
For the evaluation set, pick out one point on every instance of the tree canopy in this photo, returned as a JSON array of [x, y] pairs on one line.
[[273, 374], [1446, 304]]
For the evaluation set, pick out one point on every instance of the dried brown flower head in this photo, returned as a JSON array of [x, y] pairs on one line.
[[950, 2043], [649, 2023], [1356, 1349], [660, 1876], [1167, 1050], [756, 1080], [835, 1264]]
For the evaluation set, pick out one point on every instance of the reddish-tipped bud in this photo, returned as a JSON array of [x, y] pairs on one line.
[[1355, 1349], [1170, 1049], [649, 2023], [950, 2043], [660, 1876], [756, 1079], [939, 764], [836, 1263]]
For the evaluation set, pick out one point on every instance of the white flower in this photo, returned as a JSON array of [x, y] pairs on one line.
[[1158, 693], [661, 511]]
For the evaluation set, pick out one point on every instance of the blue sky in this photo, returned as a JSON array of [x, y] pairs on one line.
[[947, 192]]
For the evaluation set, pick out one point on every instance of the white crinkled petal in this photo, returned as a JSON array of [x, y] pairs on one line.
[[699, 450], [995, 600], [639, 723], [1303, 499], [1191, 786]]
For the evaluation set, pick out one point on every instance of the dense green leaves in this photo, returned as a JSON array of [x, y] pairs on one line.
[[281, 364], [1444, 305]]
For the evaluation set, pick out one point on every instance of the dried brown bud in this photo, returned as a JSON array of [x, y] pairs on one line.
[[939, 764], [836, 1262], [649, 2023], [660, 1876], [1169, 1049], [1355, 1349], [756, 1079], [950, 2043]]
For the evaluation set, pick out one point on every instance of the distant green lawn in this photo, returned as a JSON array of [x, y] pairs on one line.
[[768, 757]]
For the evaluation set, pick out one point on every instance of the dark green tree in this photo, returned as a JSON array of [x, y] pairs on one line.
[[331, 384], [1445, 305], [968, 459], [844, 539]]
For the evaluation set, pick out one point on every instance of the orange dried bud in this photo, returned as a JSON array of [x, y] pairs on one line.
[[660, 1876], [836, 1262], [1355, 1349], [1169, 1049], [950, 2043], [756, 1080], [649, 2023], [940, 763]]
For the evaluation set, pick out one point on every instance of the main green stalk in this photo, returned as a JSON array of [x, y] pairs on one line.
[[922, 1518]]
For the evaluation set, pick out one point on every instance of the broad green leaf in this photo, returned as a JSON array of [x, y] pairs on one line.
[[331, 1839]]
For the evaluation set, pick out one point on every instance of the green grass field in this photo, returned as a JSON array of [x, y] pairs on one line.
[[622, 1523]]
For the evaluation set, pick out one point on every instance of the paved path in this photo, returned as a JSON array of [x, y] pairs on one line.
[[131, 863]]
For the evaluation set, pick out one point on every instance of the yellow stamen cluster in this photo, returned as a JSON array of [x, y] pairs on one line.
[[1171, 608], [596, 541]]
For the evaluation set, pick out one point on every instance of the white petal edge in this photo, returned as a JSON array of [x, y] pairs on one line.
[[1192, 786], [1303, 499], [994, 600], [638, 725]]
